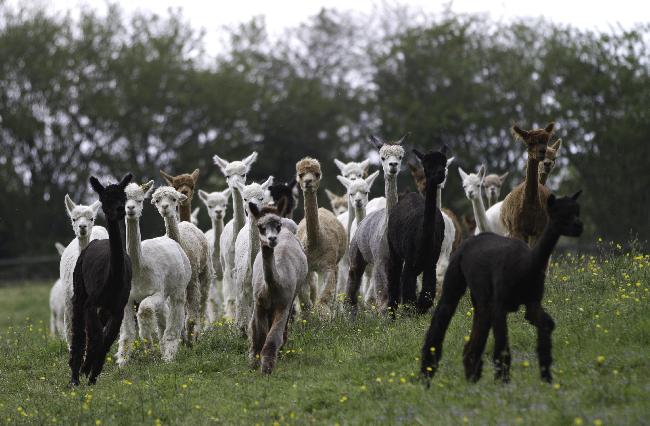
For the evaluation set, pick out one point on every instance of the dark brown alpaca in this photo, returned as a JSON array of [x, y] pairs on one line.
[[184, 184], [523, 211], [512, 276], [101, 286]]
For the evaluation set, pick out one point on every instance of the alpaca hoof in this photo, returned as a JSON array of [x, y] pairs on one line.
[[92, 381], [74, 382]]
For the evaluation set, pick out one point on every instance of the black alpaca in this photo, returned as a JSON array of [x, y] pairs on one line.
[[101, 286], [288, 192], [415, 234], [502, 274]]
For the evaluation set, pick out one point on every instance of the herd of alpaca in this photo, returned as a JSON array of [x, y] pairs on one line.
[[261, 266]]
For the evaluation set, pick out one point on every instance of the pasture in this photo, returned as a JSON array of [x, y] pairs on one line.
[[361, 372]]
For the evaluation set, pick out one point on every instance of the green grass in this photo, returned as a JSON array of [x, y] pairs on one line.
[[356, 373]]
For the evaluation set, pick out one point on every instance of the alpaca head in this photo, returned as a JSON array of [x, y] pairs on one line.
[[358, 189], [391, 154], [112, 196], [166, 199], [184, 183], [82, 217], [472, 182], [564, 214], [255, 193], [235, 171], [308, 174], [353, 170], [492, 184], [269, 221], [216, 202], [339, 203], [549, 159], [417, 172], [135, 195], [536, 140], [434, 164], [285, 190]]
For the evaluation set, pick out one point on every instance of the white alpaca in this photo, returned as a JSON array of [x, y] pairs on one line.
[[472, 185], [449, 232], [57, 302], [83, 224], [357, 193], [247, 246], [217, 204], [193, 241], [235, 172], [194, 217], [161, 273]]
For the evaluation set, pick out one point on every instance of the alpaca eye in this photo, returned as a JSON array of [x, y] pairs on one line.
[[317, 175], [383, 158], [262, 230], [278, 228], [300, 175], [74, 219]]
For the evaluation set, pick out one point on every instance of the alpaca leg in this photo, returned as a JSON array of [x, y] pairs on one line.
[[304, 293], [205, 280], [394, 277], [215, 301], [111, 332], [545, 326], [67, 318], [147, 323], [258, 328], [127, 335], [328, 288], [355, 273], [501, 357], [473, 350], [409, 285], [192, 307], [174, 326], [428, 292], [94, 340], [274, 341], [77, 341], [228, 293], [343, 268], [370, 296]]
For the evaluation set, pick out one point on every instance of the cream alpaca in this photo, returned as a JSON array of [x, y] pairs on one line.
[[57, 302]]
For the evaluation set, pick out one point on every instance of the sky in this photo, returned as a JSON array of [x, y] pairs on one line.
[[214, 15]]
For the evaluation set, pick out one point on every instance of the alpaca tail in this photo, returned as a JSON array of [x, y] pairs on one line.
[[453, 289], [78, 344]]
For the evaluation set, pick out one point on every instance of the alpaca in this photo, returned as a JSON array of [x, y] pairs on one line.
[[217, 204], [492, 184], [288, 190], [194, 217], [339, 203], [83, 224], [415, 237], [196, 247], [368, 246], [322, 236], [472, 185], [234, 172], [57, 301], [280, 269], [523, 211], [502, 274], [351, 171], [548, 164], [357, 192], [102, 282], [184, 184], [161, 274], [246, 248]]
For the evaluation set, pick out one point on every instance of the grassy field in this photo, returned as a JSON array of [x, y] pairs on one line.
[[356, 373]]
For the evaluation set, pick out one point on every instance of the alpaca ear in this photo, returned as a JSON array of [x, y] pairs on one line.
[[195, 175], [203, 196], [69, 204], [576, 195], [503, 177], [450, 160], [60, 248], [375, 141], [412, 167], [268, 183], [418, 154], [517, 131], [147, 188], [220, 162], [125, 180], [364, 164], [444, 150], [462, 173], [226, 193], [248, 161], [481, 172], [96, 206], [344, 181], [549, 127], [195, 213], [332, 196], [340, 164], [96, 185], [282, 206], [403, 138], [252, 207], [169, 179], [371, 179], [557, 145], [551, 200], [181, 197], [292, 183]]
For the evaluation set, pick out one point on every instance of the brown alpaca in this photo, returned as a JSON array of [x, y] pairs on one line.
[[523, 212], [184, 184], [549, 161], [417, 172], [322, 236]]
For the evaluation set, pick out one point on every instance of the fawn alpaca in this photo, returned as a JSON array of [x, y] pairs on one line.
[[502, 274]]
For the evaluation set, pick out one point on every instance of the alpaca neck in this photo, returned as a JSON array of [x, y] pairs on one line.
[[430, 208], [239, 217], [83, 241], [311, 217], [350, 217], [439, 197], [254, 240], [390, 191], [359, 214], [217, 229], [133, 242], [171, 228], [542, 250], [479, 214], [116, 244], [270, 271], [530, 190], [185, 211]]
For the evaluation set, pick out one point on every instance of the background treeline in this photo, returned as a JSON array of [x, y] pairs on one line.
[[105, 94]]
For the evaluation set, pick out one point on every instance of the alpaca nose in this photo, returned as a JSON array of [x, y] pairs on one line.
[[83, 227], [273, 241], [393, 164], [164, 206]]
